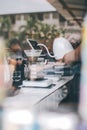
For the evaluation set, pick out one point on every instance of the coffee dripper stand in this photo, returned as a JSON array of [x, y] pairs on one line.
[[32, 65]]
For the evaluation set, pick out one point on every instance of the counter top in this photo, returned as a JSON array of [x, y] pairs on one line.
[[28, 97]]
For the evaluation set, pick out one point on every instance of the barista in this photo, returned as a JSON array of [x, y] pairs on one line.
[[18, 60], [73, 58]]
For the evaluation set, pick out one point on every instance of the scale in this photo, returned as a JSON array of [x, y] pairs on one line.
[[42, 83]]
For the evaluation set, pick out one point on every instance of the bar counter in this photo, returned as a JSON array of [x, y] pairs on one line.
[[40, 98]]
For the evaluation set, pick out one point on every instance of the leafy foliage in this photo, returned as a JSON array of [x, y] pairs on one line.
[[34, 29]]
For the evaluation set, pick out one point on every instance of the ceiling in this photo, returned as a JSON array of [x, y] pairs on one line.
[[24, 6], [72, 10]]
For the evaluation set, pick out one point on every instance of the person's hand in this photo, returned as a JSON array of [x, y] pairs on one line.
[[12, 61]]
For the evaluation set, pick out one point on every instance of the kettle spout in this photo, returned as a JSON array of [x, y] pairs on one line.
[[40, 44]]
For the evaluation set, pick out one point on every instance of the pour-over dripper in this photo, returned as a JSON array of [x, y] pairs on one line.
[[32, 55], [32, 64]]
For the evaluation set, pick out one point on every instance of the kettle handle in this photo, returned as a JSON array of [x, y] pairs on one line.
[[40, 44]]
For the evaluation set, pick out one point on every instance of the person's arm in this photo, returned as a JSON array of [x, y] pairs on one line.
[[73, 56], [78, 53]]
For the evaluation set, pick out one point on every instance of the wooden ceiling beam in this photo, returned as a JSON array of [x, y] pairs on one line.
[[77, 9], [65, 6]]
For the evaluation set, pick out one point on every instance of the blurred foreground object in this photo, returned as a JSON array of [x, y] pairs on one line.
[[58, 121], [83, 84], [6, 71], [4, 78], [4, 75], [18, 119]]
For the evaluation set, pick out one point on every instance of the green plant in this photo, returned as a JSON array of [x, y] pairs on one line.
[[5, 26]]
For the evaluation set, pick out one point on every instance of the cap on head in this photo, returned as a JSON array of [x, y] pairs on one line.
[[15, 44]]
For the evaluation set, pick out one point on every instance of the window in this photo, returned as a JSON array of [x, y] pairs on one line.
[[18, 17], [55, 15], [12, 17], [40, 16], [26, 16], [46, 16], [61, 18]]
